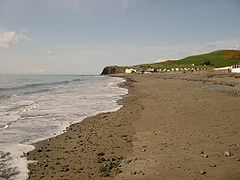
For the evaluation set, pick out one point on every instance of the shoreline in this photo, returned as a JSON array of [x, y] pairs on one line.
[[170, 127], [68, 105], [41, 146]]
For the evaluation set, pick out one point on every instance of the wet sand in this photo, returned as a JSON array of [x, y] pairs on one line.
[[172, 126]]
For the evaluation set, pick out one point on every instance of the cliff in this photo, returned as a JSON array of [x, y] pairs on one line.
[[113, 70]]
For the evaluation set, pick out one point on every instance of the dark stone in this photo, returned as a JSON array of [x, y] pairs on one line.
[[113, 70], [101, 154]]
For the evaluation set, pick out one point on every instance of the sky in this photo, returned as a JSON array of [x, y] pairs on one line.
[[83, 36]]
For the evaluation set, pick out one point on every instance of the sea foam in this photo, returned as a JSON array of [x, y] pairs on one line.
[[55, 104]]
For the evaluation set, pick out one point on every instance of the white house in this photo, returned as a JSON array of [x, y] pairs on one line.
[[223, 69], [130, 70], [232, 69], [150, 70], [236, 68]]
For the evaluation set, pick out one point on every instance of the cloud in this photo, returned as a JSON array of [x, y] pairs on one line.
[[10, 38]]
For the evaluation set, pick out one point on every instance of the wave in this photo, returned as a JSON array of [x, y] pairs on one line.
[[27, 86], [23, 108], [38, 91]]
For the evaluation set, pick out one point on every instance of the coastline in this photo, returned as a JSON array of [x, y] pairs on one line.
[[171, 127], [86, 129]]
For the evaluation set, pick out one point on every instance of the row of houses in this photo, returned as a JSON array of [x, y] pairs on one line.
[[229, 69], [151, 70], [181, 69]]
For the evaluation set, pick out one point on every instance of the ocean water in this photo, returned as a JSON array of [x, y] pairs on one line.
[[36, 107]]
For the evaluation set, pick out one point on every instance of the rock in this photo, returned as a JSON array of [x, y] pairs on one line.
[[126, 161], [100, 159], [106, 169], [141, 173], [101, 154], [205, 155], [212, 165], [203, 172], [105, 174], [138, 173], [66, 169], [237, 159], [133, 172], [113, 70], [227, 154], [143, 150]]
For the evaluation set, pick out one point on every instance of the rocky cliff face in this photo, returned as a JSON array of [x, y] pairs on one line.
[[113, 70]]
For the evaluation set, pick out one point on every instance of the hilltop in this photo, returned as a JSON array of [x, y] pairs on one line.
[[220, 58]]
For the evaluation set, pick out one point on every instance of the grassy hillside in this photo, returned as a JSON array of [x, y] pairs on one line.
[[214, 59]]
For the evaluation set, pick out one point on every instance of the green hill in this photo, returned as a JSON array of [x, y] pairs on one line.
[[219, 58]]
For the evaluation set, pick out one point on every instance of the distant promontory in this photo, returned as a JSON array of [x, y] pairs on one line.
[[113, 70]]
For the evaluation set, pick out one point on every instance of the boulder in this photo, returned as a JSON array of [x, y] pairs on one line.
[[113, 70]]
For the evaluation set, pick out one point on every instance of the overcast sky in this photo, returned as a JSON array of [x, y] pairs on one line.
[[82, 36]]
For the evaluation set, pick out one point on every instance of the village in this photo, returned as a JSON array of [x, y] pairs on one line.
[[228, 69]]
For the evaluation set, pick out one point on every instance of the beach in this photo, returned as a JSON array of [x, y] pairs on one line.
[[171, 126]]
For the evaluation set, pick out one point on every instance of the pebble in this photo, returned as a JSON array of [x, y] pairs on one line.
[[203, 172], [126, 161], [100, 159], [101, 154], [205, 155], [227, 153], [138, 173], [237, 159], [212, 165]]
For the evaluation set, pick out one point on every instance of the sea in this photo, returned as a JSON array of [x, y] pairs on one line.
[[37, 107]]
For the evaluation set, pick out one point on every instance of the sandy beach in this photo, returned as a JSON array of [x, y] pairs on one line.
[[171, 126]]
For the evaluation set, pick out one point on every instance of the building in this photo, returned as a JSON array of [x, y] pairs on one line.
[[223, 69], [130, 70], [236, 68], [229, 69]]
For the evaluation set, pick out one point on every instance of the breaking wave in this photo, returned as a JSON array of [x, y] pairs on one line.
[[39, 84]]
